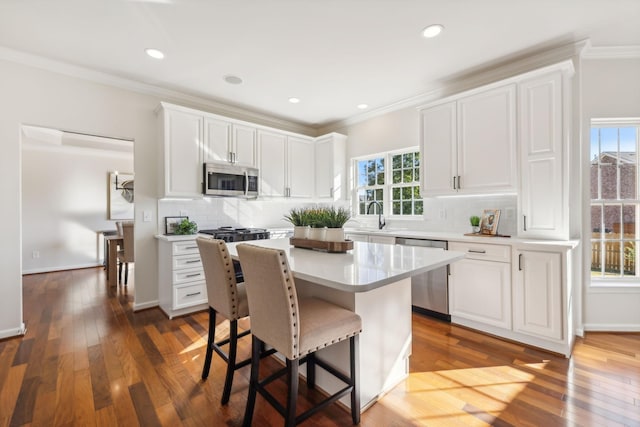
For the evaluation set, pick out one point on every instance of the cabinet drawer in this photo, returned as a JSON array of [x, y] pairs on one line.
[[500, 253], [189, 295], [181, 262], [185, 247], [188, 275]]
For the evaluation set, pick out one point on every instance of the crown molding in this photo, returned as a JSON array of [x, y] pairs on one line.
[[502, 69], [89, 74], [612, 52]]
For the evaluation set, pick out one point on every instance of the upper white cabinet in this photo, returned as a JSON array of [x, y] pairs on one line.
[[286, 165], [290, 165], [439, 149], [225, 141], [543, 201], [182, 169], [469, 144], [300, 166], [330, 151]]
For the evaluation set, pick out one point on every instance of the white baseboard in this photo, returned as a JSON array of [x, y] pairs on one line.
[[59, 268], [14, 332], [144, 305], [622, 327]]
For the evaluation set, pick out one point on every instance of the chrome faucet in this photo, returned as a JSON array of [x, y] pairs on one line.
[[381, 222]]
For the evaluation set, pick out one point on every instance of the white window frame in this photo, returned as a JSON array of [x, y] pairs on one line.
[[386, 187], [616, 280]]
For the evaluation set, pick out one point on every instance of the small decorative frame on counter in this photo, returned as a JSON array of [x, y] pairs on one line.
[[171, 223], [489, 222]]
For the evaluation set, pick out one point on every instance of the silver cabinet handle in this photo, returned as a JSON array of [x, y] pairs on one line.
[[454, 183], [191, 247], [193, 294], [459, 183], [331, 192], [520, 262], [524, 219], [193, 275], [477, 251], [191, 261]]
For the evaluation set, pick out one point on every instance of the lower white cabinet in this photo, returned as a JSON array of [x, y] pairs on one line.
[[537, 294], [182, 287], [371, 238], [480, 284]]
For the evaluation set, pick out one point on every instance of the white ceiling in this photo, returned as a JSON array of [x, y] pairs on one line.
[[332, 54]]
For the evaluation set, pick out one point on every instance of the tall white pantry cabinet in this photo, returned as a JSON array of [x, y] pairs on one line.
[[510, 137]]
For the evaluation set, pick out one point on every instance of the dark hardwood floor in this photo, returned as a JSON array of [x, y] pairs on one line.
[[87, 359]]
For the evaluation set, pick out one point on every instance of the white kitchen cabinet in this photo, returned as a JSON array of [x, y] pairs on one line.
[[469, 144], [181, 168], [543, 194], [537, 294], [300, 166], [439, 149], [181, 283], [286, 165], [330, 179], [272, 149], [227, 141], [480, 284]]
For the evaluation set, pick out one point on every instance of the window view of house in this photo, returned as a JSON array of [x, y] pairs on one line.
[[398, 191], [614, 200]]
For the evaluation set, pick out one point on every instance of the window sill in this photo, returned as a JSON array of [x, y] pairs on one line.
[[618, 286]]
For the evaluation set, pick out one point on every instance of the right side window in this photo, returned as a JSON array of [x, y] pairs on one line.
[[615, 206]]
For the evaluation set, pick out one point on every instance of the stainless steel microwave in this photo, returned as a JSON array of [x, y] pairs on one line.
[[225, 179]]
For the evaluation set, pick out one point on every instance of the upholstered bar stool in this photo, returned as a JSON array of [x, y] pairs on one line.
[[226, 297], [296, 329]]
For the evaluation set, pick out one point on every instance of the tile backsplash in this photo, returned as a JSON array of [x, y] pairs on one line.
[[440, 214]]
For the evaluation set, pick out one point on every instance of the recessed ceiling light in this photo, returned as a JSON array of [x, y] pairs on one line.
[[231, 79], [432, 30], [154, 53], [294, 100], [363, 106]]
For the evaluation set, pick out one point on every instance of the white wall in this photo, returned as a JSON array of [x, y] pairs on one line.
[[64, 205], [32, 95], [36, 97], [610, 89]]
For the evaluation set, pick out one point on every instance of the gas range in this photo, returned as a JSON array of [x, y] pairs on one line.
[[232, 234]]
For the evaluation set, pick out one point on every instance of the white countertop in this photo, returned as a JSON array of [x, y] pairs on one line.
[[460, 237], [368, 266]]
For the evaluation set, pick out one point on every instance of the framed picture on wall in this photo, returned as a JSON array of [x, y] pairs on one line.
[[120, 195], [172, 222], [489, 222]]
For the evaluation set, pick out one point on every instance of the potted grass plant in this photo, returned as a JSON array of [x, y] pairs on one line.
[[474, 220], [316, 216], [334, 220], [299, 218]]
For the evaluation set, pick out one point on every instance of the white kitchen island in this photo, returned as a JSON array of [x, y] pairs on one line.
[[372, 280]]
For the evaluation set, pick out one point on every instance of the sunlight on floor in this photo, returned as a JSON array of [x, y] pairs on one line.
[[455, 396]]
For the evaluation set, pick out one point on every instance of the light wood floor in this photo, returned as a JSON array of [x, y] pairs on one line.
[[87, 359]]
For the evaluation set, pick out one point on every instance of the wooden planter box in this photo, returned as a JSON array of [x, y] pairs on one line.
[[321, 245]]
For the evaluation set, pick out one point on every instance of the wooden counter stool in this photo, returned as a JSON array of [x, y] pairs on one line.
[[296, 329], [227, 297]]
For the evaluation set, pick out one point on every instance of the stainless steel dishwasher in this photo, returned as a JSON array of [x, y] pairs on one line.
[[430, 290]]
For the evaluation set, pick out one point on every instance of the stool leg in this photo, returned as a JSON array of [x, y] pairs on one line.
[[353, 367], [120, 273], [311, 370], [292, 394], [253, 381], [210, 343], [231, 364], [126, 273]]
